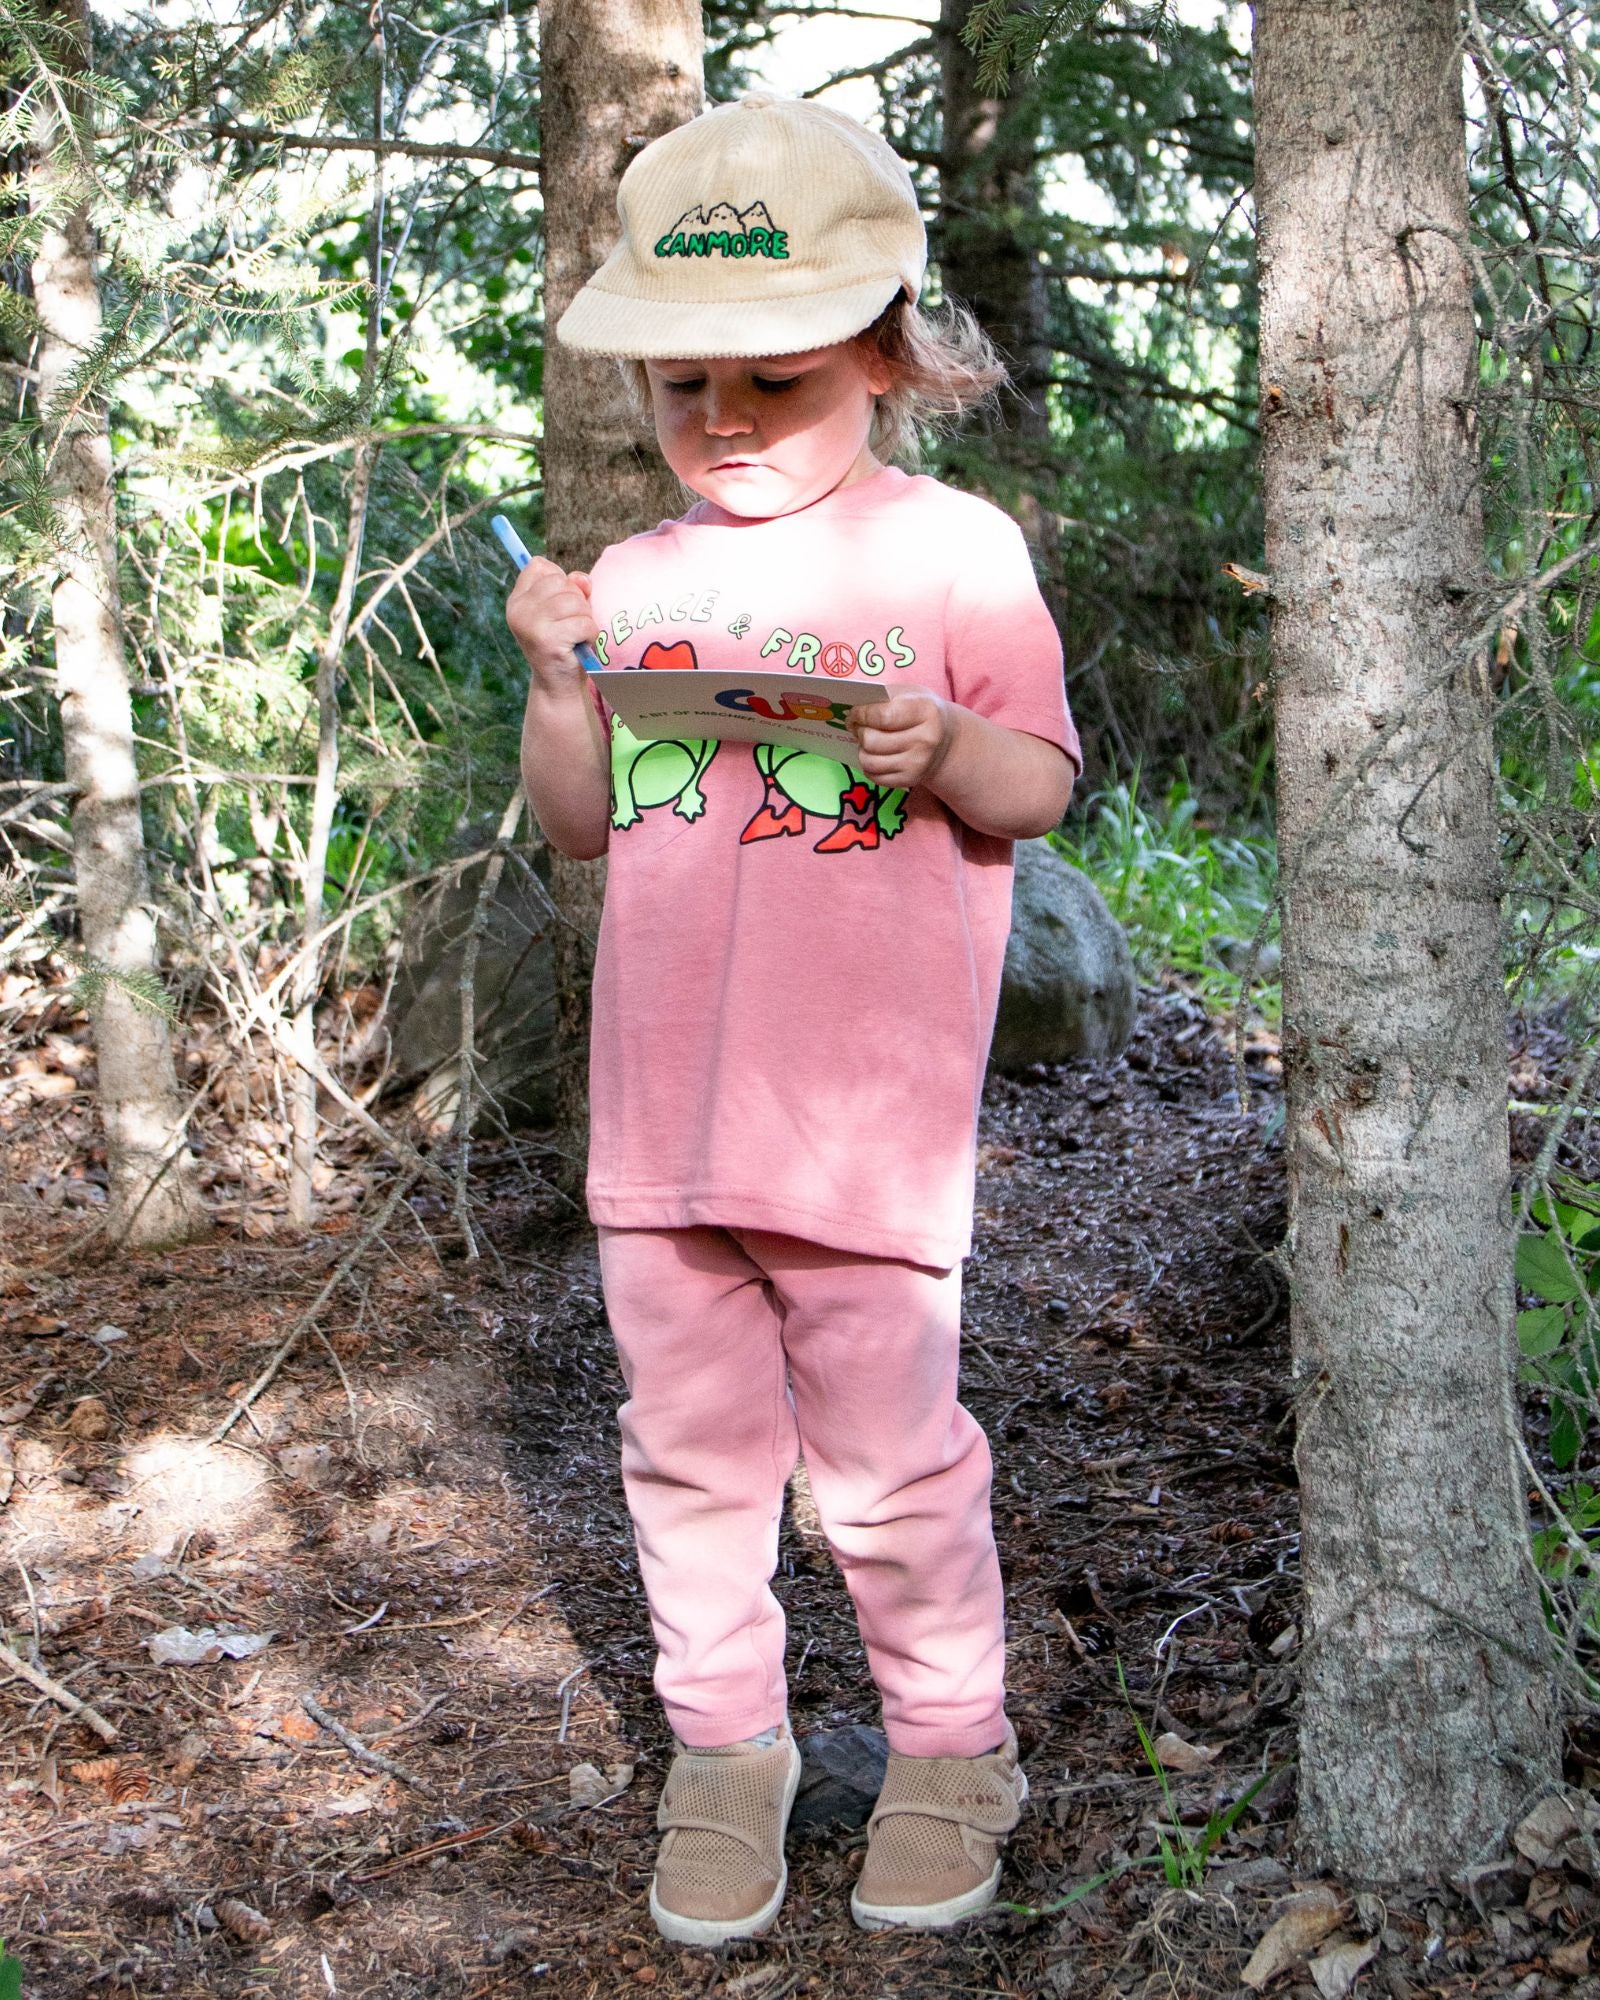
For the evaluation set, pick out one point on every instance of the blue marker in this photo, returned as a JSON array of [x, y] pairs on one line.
[[511, 542]]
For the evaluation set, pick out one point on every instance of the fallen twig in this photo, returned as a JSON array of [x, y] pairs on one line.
[[106, 1731], [362, 1752], [488, 888], [466, 1839], [297, 1332]]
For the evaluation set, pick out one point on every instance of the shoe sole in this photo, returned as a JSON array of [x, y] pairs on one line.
[[678, 1929], [932, 1916]]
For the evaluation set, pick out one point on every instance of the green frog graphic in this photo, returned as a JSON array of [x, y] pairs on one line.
[[645, 775], [797, 782]]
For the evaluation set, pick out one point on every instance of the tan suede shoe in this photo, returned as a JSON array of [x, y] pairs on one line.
[[933, 1842], [720, 1873]]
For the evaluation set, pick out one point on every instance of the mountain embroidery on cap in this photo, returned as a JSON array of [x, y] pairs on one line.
[[725, 230]]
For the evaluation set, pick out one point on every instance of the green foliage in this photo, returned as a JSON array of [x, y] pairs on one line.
[[1182, 1853], [1190, 896], [1140, 127], [1006, 38], [239, 281], [1558, 1335], [10, 1976], [1558, 1266], [94, 978]]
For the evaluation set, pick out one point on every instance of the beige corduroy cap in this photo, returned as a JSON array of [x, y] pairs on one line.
[[767, 226]]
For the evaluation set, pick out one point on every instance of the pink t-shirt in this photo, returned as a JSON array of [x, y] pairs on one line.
[[797, 971]]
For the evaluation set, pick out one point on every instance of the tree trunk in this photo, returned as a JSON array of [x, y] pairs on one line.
[[988, 193], [153, 1196], [314, 877], [330, 672], [613, 75], [1427, 1716]]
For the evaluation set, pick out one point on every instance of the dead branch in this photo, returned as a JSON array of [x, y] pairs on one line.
[[362, 1752], [106, 1731], [468, 984], [444, 529], [297, 1332], [413, 149]]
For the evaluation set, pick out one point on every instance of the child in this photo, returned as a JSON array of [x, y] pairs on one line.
[[796, 983]]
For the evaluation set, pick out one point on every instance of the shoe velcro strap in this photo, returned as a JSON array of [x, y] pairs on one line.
[[990, 1815], [675, 1823]]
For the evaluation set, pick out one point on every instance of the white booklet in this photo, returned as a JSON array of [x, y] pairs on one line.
[[690, 705]]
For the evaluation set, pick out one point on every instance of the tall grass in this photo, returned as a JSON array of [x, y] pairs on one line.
[[1190, 896]]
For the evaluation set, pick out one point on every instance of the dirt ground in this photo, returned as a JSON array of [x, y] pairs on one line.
[[419, 1529]]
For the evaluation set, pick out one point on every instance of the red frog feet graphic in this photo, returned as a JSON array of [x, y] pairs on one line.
[[858, 820], [797, 783]]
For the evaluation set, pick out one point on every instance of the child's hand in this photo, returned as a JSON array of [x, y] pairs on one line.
[[549, 612], [905, 739]]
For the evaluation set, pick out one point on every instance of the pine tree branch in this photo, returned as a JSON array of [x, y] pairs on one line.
[[1102, 274], [415, 149], [311, 454], [879, 69], [1145, 382], [445, 529]]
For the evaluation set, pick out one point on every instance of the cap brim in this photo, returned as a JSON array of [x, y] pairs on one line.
[[602, 322]]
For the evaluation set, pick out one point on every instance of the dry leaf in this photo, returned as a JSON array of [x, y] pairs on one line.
[[1571, 1959], [241, 1921], [1306, 1920], [298, 1727], [1177, 1755], [1337, 1970], [587, 1785], [1550, 1836], [48, 1783], [27, 1402], [191, 1755], [1545, 1894], [308, 1464], [374, 1798], [178, 1647]]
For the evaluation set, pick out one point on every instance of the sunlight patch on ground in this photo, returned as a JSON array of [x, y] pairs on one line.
[[181, 1487]]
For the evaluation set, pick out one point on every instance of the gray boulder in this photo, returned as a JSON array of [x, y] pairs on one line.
[[514, 1021], [1069, 989], [841, 1774]]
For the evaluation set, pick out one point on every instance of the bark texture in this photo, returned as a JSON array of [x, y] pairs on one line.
[[153, 1196], [1427, 1718], [614, 74], [988, 194]]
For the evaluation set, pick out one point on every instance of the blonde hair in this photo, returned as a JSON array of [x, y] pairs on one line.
[[940, 364]]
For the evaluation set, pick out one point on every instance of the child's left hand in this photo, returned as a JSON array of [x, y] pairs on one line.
[[905, 739]]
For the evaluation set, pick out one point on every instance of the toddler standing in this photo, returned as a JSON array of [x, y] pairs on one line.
[[795, 987]]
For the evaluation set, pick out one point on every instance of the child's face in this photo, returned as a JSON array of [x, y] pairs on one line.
[[767, 436]]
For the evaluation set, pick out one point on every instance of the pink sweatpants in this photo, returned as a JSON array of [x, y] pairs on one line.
[[741, 1348]]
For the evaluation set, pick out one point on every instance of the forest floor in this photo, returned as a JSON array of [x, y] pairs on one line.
[[420, 1527]]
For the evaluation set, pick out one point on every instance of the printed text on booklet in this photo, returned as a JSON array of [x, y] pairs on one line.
[[702, 704]]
